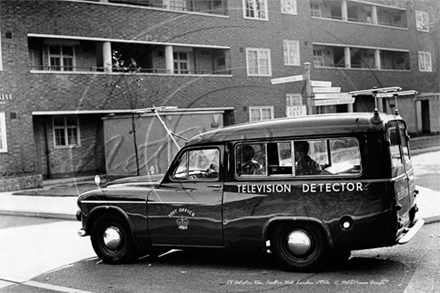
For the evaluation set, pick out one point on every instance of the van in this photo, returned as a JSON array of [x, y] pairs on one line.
[[307, 190]]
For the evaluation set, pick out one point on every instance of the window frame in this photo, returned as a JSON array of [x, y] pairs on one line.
[[290, 47], [3, 136], [178, 61], [259, 66], [315, 10], [264, 165], [261, 108], [61, 56], [289, 9], [257, 12], [178, 5], [66, 129], [186, 155], [425, 61], [318, 58], [422, 21]]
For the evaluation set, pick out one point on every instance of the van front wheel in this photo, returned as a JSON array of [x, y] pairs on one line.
[[111, 240], [299, 247]]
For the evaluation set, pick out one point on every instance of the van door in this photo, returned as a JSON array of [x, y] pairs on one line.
[[402, 170], [186, 209]]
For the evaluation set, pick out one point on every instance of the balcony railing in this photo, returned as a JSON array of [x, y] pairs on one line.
[[359, 20], [56, 69], [220, 10]]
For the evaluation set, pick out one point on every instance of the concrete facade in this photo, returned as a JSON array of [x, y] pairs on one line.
[[55, 63]]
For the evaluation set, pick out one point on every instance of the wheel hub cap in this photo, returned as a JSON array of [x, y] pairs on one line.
[[112, 238], [298, 243]]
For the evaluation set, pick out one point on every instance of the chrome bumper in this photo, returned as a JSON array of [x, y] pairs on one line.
[[82, 233], [78, 215], [411, 232]]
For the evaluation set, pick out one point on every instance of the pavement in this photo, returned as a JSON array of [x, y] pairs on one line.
[[57, 198]]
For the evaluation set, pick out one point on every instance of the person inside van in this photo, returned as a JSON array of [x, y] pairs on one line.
[[249, 166], [305, 165]]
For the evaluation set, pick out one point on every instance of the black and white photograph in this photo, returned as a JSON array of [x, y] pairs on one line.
[[204, 146]]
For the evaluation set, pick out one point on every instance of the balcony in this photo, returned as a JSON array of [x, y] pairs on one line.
[[218, 7], [359, 12], [87, 56], [326, 56], [392, 60]]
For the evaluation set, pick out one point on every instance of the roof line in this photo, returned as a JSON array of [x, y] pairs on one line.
[[127, 111]]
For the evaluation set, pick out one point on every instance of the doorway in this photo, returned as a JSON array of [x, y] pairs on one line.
[[426, 119]]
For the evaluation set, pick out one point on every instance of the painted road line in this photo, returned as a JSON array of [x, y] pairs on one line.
[[53, 287]]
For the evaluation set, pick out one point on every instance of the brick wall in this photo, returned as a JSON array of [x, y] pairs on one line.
[[21, 182], [87, 158]]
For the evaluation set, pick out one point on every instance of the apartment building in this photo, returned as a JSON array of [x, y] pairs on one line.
[[67, 64]]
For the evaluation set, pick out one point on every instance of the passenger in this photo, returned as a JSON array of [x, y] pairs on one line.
[[304, 164], [249, 166]]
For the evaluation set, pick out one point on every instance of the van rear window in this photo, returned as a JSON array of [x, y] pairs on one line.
[[323, 157]]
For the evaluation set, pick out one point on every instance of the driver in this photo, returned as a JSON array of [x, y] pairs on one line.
[[249, 166]]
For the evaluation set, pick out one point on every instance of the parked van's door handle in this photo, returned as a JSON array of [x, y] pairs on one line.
[[215, 186]]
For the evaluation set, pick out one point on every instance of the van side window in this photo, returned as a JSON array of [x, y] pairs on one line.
[[197, 165], [345, 157], [396, 157], [315, 157], [398, 143], [304, 164], [251, 159], [404, 140]]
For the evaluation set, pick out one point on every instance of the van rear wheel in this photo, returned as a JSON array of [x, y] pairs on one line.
[[299, 247]]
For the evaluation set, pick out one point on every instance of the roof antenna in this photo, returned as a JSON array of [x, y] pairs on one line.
[[396, 111], [376, 118]]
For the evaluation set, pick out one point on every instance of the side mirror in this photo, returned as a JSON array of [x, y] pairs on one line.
[[97, 181]]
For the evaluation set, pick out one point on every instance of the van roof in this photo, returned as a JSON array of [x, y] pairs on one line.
[[312, 125]]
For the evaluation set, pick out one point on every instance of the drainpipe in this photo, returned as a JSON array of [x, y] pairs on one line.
[[46, 148]]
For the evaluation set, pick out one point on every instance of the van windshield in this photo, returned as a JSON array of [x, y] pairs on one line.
[[317, 157]]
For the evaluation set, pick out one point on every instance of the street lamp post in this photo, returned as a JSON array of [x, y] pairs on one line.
[[308, 88]]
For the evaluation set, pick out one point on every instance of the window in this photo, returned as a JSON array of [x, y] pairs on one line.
[[323, 157], [3, 143], [318, 58], [178, 4], [294, 100], [425, 61], [315, 10], [260, 113], [294, 106], [398, 144], [288, 6], [256, 9], [201, 164], [258, 62], [291, 52], [61, 58], [66, 131], [251, 159], [422, 21], [181, 63]]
